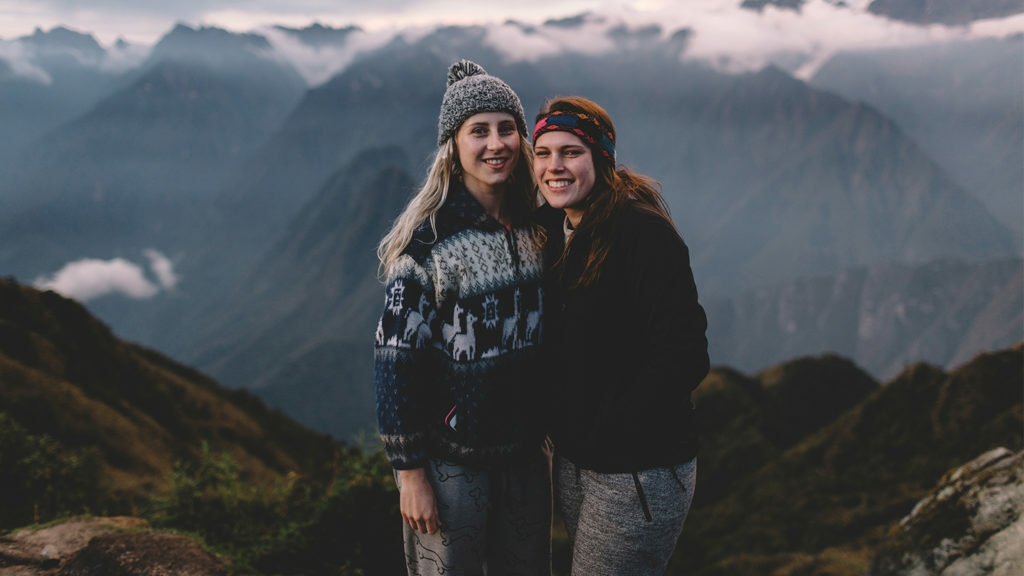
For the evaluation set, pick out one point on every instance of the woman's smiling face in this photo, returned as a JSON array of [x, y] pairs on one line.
[[488, 145], [564, 168]]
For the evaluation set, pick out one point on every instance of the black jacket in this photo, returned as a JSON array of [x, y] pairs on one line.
[[625, 353]]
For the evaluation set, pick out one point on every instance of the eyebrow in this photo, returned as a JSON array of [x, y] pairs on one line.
[[562, 147], [500, 123]]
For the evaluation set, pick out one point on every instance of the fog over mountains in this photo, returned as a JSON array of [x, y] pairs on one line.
[[835, 199]]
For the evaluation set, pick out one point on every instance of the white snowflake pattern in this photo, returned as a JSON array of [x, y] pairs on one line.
[[397, 296], [490, 318]]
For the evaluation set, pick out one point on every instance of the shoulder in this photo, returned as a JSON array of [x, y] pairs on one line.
[[638, 225]]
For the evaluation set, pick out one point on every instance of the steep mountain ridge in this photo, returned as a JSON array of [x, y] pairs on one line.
[[315, 289], [959, 101], [831, 185], [389, 98], [58, 78], [140, 168], [65, 375], [884, 317]]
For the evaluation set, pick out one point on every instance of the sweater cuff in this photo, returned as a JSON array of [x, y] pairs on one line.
[[406, 451]]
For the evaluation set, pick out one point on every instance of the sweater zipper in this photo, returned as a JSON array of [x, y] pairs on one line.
[[513, 252]]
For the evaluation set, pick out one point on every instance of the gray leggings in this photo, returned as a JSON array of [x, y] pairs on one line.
[[498, 518], [623, 524]]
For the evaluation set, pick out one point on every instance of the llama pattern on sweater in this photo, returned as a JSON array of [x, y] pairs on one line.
[[458, 340], [471, 329]]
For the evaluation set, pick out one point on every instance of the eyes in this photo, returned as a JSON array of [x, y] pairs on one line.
[[482, 130], [569, 152]]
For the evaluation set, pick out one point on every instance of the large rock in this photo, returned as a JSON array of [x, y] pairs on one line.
[[972, 524], [104, 547]]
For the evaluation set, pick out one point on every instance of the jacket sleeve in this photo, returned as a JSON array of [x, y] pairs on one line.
[[404, 372], [675, 342]]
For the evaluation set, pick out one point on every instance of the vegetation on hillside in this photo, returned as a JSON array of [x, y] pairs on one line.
[[803, 468]]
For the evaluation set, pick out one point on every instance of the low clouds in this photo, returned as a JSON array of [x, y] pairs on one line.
[[91, 278], [162, 268], [317, 64], [28, 62], [734, 39], [720, 33], [20, 63]]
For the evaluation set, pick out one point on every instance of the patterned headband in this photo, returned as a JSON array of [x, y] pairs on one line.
[[583, 125]]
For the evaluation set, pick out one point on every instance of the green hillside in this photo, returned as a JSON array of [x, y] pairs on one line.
[[769, 504], [63, 375]]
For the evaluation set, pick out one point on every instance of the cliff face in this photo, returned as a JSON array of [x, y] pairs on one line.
[[971, 524], [883, 317]]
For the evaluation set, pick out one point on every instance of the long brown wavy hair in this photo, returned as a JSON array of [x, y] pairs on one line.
[[616, 189]]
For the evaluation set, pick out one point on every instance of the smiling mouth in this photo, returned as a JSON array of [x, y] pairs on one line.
[[495, 161], [558, 184]]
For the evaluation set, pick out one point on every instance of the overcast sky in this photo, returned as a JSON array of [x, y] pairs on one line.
[[145, 21], [724, 34]]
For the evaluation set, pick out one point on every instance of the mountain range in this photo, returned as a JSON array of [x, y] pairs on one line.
[[974, 135], [872, 209], [806, 467]]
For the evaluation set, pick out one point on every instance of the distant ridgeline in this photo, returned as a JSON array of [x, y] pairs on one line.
[[805, 467]]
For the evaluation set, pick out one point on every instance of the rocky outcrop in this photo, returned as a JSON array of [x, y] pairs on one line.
[[971, 524], [120, 546]]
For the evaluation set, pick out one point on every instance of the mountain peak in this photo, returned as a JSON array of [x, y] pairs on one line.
[[61, 37], [208, 44], [317, 35]]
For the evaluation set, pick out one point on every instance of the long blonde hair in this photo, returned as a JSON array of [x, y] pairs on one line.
[[519, 200]]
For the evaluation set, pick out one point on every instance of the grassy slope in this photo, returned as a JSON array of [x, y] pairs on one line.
[[63, 374]]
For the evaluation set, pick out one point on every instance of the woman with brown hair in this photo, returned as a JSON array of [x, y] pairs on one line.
[[626, 346]]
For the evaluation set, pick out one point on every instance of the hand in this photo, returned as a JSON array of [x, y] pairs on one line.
[[417, 502]]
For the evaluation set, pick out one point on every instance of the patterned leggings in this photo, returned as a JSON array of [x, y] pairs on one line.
[[494, 517], [623, 524]]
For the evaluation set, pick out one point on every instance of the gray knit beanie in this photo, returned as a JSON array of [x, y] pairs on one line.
[[472, 90]]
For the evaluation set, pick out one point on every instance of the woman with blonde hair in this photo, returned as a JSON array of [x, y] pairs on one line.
[[627, 347], [457, 344]]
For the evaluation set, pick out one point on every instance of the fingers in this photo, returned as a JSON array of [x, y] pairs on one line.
[[425, 525]]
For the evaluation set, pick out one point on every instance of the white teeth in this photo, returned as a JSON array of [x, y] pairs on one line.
[[495, 161], [555, 184]]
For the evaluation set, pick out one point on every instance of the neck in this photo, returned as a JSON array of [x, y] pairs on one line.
[[492, 199], [574, 216]]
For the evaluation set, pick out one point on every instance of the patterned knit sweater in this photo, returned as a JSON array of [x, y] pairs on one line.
[[456, 345]]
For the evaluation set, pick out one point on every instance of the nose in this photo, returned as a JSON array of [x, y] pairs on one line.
[[556, 163], [494, 141]]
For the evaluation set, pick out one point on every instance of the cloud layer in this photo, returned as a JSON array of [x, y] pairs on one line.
[[91, 278], [721, 33]]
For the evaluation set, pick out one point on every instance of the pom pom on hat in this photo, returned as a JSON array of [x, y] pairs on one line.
[[472, 90], [464, 69]]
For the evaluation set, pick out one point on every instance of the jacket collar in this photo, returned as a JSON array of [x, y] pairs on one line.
[[462, 206]]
